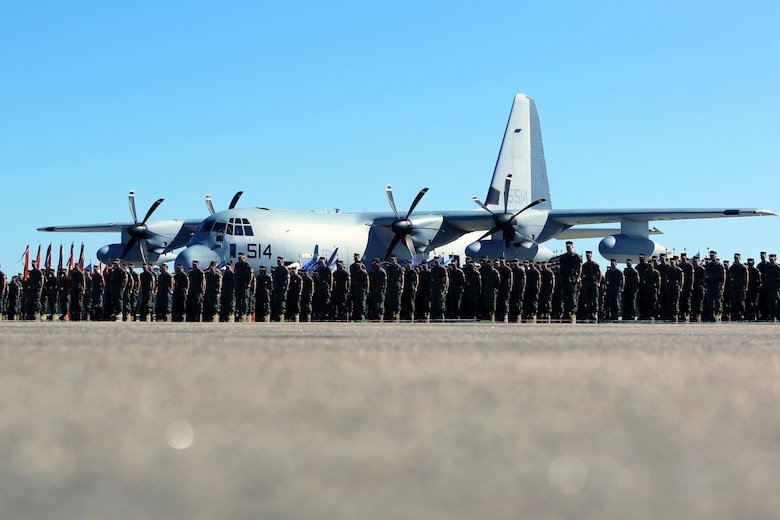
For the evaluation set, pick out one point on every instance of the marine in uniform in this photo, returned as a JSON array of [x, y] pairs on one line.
[[280, 277], [213, 300], [546, 290], [227, 302], [359, 289], [242, 281], [181, 286], [590, 279], [715, 280], [131, 300], [164, 293], [307, 294], [504, 290], [439, 285], [395, 285], [377, 285], [63, 294], [34, 289], [322, 289], [473, 291], [753, 291], [698, 290], [3, 295], [340, 294], [78, 289], [674, 281], [455, 291], [294, 291], [533, 282], [650, 284], [116, 281], [614, 280], [15, 298], [490, 281], [630, 290], [517, 292], [771, 283], [571, 270], [409, 293], [739, 278], [263, 289], [687, 287], [50, 294], [148, 288], [423, 303], [195, 294]]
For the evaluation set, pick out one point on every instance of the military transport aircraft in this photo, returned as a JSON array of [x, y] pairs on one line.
[[513, 221]]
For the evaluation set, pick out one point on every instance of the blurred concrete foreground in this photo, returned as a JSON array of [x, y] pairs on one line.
[[373, 421]]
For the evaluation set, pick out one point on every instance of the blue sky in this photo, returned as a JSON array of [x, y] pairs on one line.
[[314, 105]]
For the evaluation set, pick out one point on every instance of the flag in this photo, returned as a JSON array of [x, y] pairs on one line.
[[70, 260], [59, 264], [81, 255], [38, 258], [48, 259], [26, 260]]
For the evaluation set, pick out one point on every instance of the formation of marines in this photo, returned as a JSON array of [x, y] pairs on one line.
[[499, 290]]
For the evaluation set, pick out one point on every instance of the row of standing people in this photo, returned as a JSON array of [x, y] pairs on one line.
[[500, 290]]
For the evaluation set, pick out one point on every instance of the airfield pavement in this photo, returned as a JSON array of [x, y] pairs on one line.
[[389, 421]]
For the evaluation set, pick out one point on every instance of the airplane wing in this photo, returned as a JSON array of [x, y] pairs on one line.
[[574, 217], [109, 227]]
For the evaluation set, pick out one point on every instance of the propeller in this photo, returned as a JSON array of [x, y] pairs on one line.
[[505, 222], [138, 231], [402, 227], [232, 205]]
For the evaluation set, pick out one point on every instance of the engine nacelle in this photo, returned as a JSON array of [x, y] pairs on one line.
[[203, 254], [624, 247], [111, 252], [496, 249]]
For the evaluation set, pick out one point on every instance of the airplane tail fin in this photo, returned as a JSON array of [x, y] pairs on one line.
[[522, 157]]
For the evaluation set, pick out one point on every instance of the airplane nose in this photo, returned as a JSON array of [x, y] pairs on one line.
[[198, 252]]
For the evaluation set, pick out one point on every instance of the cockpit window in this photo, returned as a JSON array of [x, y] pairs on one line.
[[219, 227]]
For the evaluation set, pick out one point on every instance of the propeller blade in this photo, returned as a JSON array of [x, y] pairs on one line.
[[488, 233], [416, 200], [393, 243], [235, 199], [131, 202], [141, 248], [151, 210], [506, 192], [479, 203], [409, 245], [128, 247], [389, 191], [209, 205], [531, 205]]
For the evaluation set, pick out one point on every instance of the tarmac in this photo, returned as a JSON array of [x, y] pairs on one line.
[[388, 421]]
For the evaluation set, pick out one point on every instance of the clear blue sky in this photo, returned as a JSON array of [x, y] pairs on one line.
[[318, 105]]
